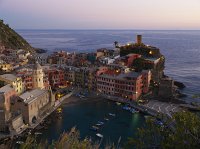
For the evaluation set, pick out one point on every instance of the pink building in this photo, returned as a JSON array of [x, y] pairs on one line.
[[55, 77], [129, 85], [6, 93], [146, 78], [131, 58]]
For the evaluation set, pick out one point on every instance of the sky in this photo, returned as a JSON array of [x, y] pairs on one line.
[[101, 14]]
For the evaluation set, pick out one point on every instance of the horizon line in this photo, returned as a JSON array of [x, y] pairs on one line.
[[114, 29]]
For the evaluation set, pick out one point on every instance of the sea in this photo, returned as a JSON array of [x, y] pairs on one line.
[[181, 49]]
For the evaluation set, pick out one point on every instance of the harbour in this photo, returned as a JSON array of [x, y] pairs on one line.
[[93, 122]]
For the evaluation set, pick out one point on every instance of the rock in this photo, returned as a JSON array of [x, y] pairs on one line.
[[181, 95], [40, 51], [180, 85]]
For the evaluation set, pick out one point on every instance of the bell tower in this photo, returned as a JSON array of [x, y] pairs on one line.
[[38, 76]]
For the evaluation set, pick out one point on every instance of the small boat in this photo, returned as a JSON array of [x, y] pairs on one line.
[[100, 122], [132, 110], [118, 103], [99, 135], [19, 142], [38, 133], [106, 119], [137, 111], [159, 122], [81, 96], [95, 127], [111, 114], [126, 108]]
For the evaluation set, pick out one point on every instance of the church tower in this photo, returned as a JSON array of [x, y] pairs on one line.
[[38, 76]]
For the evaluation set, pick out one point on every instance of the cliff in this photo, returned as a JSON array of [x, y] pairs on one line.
[[10, 39]]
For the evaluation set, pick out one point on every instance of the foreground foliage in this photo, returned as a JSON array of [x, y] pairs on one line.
[[69, 140], [180, 132]]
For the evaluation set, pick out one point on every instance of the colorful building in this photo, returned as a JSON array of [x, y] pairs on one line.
[[14, 81], [6, 67], [6, 94], [55, 77], [128, 85]]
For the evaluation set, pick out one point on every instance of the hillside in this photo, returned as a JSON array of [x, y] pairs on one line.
[[10, 39]]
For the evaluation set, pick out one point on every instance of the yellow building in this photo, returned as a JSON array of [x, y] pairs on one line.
[[14, 81], [6, 67]]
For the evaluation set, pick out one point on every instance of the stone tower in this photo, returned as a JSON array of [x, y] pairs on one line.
[[38, 76], [139, 39]]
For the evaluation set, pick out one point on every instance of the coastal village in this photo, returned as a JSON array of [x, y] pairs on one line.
[[29, 82], [99, 74], [33, 85]]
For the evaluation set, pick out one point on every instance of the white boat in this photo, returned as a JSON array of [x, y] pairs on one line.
[[94, 128], [126, 108], [99, 135], [106, 119], [38, 133], [118, 103], [111, 114], [132, 110], [19, 142], [137, 111], [81, 96], [100, 122]]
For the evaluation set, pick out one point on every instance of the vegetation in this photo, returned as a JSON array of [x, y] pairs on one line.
[[10, 39], [144, 50], [180, 132], [69, 140], [141, 64]]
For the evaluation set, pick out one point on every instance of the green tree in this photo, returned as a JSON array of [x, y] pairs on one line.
[[138, 64], [182, 131]]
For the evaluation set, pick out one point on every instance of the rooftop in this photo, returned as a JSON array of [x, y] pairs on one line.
[[122, 76], [29, 97], [6, 88], [130, 74], [10, 77]]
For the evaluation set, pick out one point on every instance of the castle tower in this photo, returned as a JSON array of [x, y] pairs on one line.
[[139, 39], [38, 76]]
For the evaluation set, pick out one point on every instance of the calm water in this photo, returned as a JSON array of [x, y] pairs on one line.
[[182, 52], [84, 115]]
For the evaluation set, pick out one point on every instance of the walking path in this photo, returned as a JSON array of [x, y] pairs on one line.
[[153, 107], [163, 107]]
